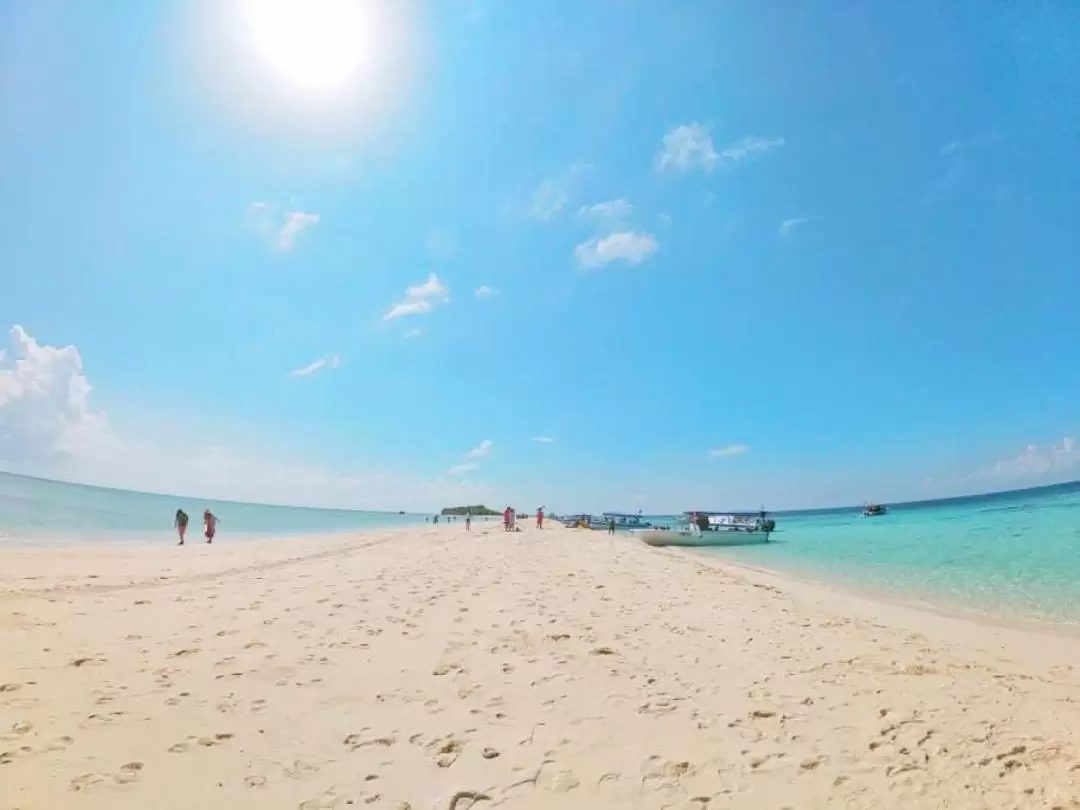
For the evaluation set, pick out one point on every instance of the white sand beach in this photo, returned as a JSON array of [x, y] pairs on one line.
[[434, 668]]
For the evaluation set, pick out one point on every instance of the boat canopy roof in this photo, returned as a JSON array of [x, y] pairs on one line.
[[622, 514], [708, 513]]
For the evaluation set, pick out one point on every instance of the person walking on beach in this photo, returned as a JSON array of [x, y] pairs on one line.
[[180, 522], [506, 519], [468, 521], [210, 522], [540, 518], [611, 526]]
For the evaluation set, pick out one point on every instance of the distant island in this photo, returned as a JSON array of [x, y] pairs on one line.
[[475, 511]]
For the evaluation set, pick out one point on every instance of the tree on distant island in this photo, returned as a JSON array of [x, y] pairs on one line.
[[481, 511]]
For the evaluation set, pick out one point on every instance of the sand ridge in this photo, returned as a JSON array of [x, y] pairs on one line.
[[434, 668]]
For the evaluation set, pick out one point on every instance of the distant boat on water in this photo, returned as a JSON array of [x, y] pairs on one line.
[[874, 510], [713, 529]]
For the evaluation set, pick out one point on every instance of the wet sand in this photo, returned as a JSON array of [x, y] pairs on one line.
[[431, 668]]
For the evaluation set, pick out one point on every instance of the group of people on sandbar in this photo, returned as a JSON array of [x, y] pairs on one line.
[[510, 519], [210, 522]]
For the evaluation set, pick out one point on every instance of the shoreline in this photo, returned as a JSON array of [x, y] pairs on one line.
[[284, 548], [945, 609]]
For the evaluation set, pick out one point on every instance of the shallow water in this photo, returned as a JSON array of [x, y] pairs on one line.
[[1013, 553], [36, 512]]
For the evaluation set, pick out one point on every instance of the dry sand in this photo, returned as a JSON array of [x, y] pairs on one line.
[[432, 668]]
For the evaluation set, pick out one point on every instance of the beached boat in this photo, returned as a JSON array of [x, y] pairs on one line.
[[577, 521], [874, 510], [713, 529], [623, 521]]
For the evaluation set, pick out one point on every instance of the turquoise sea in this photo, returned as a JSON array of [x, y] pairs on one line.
[[1008, 553], [36, 512], [1012, 553]]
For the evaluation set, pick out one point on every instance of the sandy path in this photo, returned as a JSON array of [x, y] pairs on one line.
[[560, 670]]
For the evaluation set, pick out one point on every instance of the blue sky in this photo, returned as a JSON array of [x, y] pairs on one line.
[[719, 253]]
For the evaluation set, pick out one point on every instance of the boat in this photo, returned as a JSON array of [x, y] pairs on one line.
[[623, 521], [874, 510], [577, 521], [713, 529]]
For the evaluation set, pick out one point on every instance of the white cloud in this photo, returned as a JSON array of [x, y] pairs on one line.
[[413, 334], [45, 413], [554, 194], [690, 146], [484, 291], [730, 451], [282, 229], [543, 439], [481, 450], [632, 247], [333, 361], [296, 222], [420, 299], [49, 429], [1035, 461], [609, 213], [687, 147], [750, 145], [788, 226]]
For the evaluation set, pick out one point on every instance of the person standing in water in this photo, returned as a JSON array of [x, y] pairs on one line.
[[180, 523], [210, 522]]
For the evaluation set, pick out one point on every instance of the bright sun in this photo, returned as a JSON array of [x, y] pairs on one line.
[[314, 44]]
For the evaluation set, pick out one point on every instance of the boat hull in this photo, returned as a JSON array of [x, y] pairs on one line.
[[703, 539]]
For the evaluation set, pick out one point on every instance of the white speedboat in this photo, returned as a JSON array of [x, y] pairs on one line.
[[712, 529]]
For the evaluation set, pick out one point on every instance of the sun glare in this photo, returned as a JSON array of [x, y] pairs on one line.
[[314, 44]]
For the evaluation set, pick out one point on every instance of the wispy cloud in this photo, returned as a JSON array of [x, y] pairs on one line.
[[332, 361], [420, 299], [413, 334], [608, 213], [296, 222], [746, 147], [730, 451], [789, 225], [974, 142], [484, 291], [554, 194], [687, 147], [1034, 462], [281, 228], [543, 439], [481, 450], [632, 247], [690, 146]]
